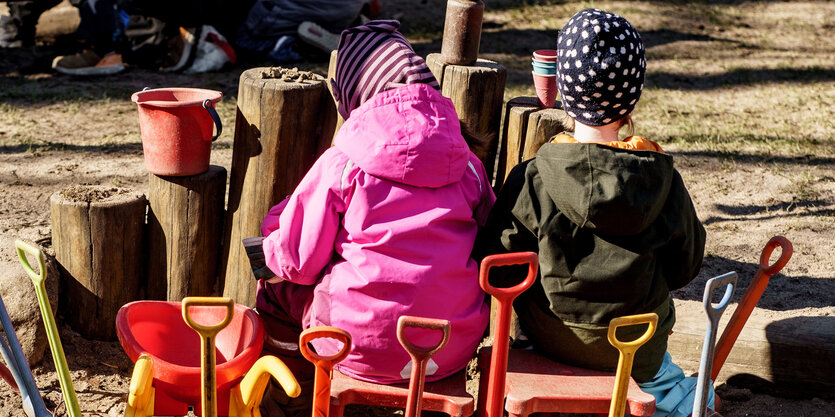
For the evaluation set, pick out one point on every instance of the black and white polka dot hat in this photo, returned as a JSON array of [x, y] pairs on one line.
[[600, 67]]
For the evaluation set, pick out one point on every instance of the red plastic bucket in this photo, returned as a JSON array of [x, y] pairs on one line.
[[176, 129]]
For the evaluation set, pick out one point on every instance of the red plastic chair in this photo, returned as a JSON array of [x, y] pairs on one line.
[[448, 395], [522, 382]]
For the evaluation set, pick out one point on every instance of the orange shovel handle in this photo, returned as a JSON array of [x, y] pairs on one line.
[[750, 298], [420, 355], [324, 364]]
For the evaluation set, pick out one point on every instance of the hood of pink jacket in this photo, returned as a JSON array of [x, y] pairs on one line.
[[410, 135]]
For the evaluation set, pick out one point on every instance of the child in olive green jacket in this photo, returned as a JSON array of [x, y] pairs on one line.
[[611, 219]]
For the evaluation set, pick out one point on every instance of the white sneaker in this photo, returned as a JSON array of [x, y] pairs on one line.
[[319, 37]]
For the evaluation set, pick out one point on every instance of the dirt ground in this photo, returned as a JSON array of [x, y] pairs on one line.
[[57, 131]]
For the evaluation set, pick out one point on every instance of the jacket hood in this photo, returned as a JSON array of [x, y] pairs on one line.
[[611, 191], [409, 135]]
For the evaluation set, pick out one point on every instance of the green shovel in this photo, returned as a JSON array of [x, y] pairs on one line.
[[49, 324]]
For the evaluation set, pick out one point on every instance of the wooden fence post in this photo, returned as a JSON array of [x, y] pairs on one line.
[[185, 220], [282, 126], [526, 127], [477, 91], [97, 237]]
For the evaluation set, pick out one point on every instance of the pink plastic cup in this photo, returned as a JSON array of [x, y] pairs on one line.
[[548, 55], [546, 89]]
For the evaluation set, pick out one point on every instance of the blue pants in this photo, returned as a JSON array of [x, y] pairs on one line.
[[674, 393]]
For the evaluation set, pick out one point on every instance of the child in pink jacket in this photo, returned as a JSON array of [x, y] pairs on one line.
[[384, 222]]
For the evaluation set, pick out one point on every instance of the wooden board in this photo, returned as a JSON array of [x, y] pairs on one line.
[[791, 356], [183, 237], [280, 130]]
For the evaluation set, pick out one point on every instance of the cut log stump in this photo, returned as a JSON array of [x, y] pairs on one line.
[[97, 237], [526, 128], [477, 91], [185, 219], [282, 126]]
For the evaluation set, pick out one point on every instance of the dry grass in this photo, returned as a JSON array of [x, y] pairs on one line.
[[723, 76]]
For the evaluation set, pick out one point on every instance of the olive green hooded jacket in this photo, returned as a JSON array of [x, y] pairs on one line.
[[615, 231]]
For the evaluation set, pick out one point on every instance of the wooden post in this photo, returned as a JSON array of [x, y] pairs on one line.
[[184, 234], [332, 75], [477, 92], [526, 128], [280, 130], [97, 237]]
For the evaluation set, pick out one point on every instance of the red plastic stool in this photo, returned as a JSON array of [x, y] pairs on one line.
[[448, 395], [522, 382], [537, 384]]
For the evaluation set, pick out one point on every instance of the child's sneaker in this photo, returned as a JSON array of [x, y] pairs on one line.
[[87, 63], [181, 48], [318, 36]]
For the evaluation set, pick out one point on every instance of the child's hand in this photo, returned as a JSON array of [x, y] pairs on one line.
[[275, 280]]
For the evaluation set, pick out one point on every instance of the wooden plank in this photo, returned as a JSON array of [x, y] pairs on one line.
[[794, 355]]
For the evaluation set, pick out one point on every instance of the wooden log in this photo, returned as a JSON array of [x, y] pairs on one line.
[[280, 130], [183, 238], [477, 92], [794, 356], [332, 75], [97, 237], [526, 127]]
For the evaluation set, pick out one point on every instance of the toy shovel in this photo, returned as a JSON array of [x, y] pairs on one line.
[[208, 333], [420, 356], [713, 316], [54, 339], [19, 375], [750, 298], [324, 364], [627, 356], [504, 297]]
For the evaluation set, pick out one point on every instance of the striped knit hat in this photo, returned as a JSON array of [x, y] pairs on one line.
[[372, 58]]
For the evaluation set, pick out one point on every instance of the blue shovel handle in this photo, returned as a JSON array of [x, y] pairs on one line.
[[709, 346], [12, 353], [207, 104]]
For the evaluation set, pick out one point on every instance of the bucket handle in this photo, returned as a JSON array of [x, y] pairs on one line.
[[207, 104]]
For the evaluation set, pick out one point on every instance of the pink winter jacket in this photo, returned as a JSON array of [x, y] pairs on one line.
[[383, 224]]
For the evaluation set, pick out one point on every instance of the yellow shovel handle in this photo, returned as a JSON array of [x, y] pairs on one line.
[[627, 354], [207, 344], [208, 330]]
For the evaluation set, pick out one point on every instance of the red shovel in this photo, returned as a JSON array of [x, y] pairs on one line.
[[504, 297], [420, 356], [750, 298]]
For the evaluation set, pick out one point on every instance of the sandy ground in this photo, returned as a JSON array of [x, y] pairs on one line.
[[73, 135]]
